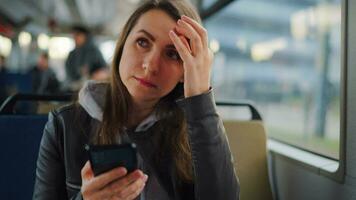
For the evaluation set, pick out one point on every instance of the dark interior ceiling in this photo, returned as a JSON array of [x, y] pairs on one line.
[[56, 16], [104, 17]]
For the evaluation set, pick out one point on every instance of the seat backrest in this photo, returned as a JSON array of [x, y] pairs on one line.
[[34, 104], [15, 83], [19, 144], [247, 140]]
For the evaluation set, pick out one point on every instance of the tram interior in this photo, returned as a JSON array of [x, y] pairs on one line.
[[278, 77]]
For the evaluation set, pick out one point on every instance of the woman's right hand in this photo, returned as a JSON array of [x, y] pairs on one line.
[[114, 184]]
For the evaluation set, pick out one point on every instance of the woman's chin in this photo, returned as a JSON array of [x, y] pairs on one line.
[[144, 97]]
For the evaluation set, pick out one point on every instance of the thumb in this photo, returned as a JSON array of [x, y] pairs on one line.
[[86, 172]]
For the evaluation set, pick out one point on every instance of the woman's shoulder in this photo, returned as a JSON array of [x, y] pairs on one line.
[[68, 108], [69, 119], [71, 111]]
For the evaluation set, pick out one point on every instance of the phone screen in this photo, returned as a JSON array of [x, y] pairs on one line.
[[106, 157]]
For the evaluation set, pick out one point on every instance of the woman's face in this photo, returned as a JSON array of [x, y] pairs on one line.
[[150, 66]]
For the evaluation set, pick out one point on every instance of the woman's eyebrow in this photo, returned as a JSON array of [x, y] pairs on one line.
[[170, 46], [147, 34]]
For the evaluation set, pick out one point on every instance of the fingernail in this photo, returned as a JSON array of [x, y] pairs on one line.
[[172, 33], [145, 177], [185, 17], [122, 170]]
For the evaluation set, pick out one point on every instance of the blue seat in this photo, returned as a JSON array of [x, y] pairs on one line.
[[19, 144], [16, 82]]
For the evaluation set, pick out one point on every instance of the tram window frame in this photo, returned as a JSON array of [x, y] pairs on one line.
[[322, 164]]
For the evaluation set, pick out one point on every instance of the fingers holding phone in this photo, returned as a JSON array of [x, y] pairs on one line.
[[93, 186], [112, 172], [130, 186], [114, 184]]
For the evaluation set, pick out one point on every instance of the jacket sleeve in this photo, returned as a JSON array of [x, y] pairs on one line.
[[212, 160], [50, 172]]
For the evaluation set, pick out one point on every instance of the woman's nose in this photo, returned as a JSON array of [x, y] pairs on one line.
[[152, 62]]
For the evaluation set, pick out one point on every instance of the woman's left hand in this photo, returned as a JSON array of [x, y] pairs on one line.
[[196, 56]]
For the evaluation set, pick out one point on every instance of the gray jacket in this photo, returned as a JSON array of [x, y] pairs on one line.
[[69, 129], [87, 55]]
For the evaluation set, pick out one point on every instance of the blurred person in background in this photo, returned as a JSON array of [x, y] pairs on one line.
[[44, 80], [81, 58], [98, 72]]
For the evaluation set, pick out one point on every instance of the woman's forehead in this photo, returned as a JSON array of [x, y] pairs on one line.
[[156, 22]]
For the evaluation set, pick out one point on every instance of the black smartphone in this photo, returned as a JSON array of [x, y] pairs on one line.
[[106, 157]]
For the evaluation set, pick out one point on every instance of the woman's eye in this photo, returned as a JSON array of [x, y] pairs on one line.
[[142, 42], [173, 54]]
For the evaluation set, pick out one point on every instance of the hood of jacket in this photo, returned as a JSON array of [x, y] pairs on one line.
[[92, 99]]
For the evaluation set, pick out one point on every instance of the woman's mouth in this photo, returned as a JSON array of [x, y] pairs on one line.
[[145, 82]]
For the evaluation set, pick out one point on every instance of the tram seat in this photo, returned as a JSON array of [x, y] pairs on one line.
[[20, 139], [19, 144], [247, 140], [16, 82], [35, 103]]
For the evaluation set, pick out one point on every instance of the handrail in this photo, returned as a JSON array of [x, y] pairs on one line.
[[254, 112], [9, 104]]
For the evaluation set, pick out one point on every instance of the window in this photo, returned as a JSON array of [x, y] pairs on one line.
[[285, 56], [207, 3]]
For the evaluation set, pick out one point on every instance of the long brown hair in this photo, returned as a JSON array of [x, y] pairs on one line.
[[115, 116]]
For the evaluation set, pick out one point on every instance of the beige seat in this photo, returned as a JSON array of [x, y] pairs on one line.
[[44, 107], [247, 141]]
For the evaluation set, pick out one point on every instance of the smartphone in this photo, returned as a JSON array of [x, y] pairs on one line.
[[106, 157]]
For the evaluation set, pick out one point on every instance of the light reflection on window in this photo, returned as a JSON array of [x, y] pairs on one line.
[[59, 47], [285, 56]]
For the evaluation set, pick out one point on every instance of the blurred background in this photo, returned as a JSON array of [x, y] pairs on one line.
[[284, 55]]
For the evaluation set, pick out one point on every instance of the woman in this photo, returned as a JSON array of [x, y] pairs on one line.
[[160, 98]]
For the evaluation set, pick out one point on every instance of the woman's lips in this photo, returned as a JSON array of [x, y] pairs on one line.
[[145, 83]]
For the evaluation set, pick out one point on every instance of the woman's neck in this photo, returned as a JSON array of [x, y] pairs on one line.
[[138, 112]]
